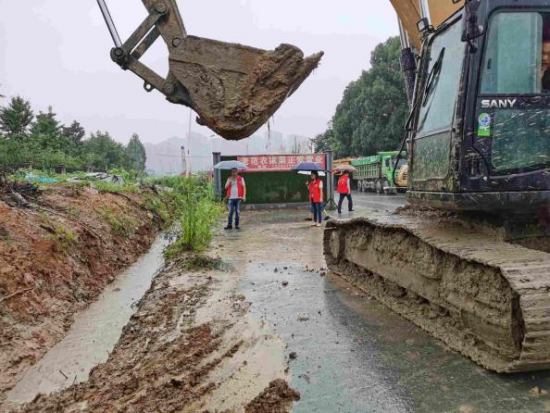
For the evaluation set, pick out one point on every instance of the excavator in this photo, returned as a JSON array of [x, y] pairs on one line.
[[468, 259]]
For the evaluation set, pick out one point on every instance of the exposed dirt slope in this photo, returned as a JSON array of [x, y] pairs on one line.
[[58, 250]]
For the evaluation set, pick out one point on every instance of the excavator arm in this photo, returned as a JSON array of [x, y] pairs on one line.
[[234, 89]]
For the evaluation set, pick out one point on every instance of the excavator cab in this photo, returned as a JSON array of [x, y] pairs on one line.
[[479, 136], [234, 89]]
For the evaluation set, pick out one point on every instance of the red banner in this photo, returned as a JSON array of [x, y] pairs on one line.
[[279, 163]]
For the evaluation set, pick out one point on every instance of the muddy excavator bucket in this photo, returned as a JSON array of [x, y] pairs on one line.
[[233, 88]]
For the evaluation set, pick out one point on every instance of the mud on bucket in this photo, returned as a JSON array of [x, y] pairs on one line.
[[235, 89]]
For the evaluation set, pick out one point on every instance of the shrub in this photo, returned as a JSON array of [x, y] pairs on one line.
[[198, 211]]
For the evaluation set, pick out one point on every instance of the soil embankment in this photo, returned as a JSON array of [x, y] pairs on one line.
[[59, 248]]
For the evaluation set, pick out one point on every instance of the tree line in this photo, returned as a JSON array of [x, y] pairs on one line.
[[371, 116], [41, 141]]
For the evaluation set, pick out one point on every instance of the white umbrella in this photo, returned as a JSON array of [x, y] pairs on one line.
[[228, 165], [321, 173]]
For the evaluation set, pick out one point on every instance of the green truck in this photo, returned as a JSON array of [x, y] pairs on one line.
[[376, 173]]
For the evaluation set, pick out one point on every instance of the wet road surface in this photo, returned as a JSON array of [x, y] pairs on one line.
[[353, 354], [365, 202]]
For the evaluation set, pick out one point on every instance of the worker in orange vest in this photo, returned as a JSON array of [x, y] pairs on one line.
[[344, 189], [235, 188], [316, 198]]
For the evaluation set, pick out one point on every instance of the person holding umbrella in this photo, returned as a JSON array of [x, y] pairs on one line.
[[316, 198], [235, 189], [344, 190]]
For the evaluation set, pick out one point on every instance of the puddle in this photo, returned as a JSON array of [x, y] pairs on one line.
[[94, 333]]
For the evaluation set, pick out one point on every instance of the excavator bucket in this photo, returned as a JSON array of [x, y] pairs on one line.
[[233, 88]]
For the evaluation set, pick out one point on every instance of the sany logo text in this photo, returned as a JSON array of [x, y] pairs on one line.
[[498, 103]]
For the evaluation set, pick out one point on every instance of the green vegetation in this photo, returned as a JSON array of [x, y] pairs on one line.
[[120, 224], [197, 211], [371, 116], [42, 142], [63, 237]]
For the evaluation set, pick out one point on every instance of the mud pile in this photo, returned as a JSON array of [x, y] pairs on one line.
[[277, 398], [235, 89], [59, 248]]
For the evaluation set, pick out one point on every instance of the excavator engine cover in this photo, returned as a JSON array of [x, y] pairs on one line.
[[235, 89]]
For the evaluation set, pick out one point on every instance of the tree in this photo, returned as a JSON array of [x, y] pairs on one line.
[[135, 151], [46, 124], [46, 132], [101, 152], [324, 141], [74, 135], [16, 118], [374, 108]]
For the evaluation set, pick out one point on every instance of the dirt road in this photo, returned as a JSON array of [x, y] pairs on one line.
[[214, 340]]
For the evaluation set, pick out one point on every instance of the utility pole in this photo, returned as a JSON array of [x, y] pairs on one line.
[[188, 163], [183, 160], [330, 205], [216, 158]]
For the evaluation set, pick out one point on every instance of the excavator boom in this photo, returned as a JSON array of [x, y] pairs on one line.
[[234, 89], [411, 11]]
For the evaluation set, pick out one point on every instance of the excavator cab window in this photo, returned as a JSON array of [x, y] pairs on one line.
[[514, 55], [513, 117], [432, 143]]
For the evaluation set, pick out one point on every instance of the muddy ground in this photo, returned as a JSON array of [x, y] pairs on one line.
[[268, 323], [58, 251], [191, 346]]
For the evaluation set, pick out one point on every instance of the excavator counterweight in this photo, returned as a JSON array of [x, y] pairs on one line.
[[234, 89]]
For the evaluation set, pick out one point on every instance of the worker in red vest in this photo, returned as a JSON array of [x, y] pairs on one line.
[[344, 189], [316, 198], [235, 191]]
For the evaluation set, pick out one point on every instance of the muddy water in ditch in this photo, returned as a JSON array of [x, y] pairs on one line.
[[94, 332]]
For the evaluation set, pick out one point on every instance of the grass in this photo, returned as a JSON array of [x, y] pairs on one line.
[[120, 224], [120, 189], [197, 211], [131, 181], [62, 236]]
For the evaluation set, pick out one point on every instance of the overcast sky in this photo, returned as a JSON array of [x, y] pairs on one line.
[[56, 52]]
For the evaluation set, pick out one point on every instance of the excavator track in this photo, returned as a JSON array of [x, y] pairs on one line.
[[483, 297]]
